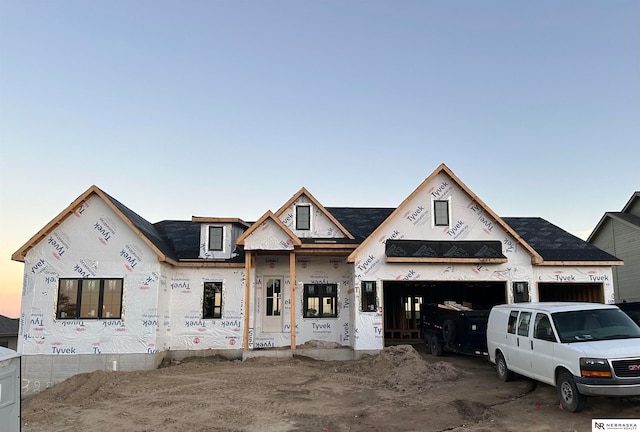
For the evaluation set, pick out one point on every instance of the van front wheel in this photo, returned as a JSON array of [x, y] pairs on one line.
[[501, 367], [570, 397]]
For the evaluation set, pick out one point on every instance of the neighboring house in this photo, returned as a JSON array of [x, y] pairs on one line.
[[618, 233], [9, 332], [104, 288]]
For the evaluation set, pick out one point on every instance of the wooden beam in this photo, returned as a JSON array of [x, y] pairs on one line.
[[292, 296], [328, 245], [324, 251], [582, 263], [247, 298], [203, 219], [205, 263]]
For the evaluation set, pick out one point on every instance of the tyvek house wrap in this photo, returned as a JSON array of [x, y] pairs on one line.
[[161, 306], [92, 243], [189, 331], [330, 270], [468, 221]]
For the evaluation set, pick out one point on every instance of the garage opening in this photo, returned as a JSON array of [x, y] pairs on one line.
[[403, 303], [584, 292]]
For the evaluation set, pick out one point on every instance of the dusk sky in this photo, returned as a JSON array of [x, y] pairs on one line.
[[228, 108]]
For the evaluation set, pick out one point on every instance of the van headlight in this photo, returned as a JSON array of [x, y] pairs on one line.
[[595, 368]]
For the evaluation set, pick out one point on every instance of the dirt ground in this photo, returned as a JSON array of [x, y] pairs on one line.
[[401, 389]]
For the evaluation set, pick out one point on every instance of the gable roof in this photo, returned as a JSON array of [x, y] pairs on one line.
[[144, 229], [624, 217], [555, 245], [634, 197], [268, 216], [315, 202], [535, 256], [175, 241]]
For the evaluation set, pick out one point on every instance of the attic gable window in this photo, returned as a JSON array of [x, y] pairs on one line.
[[303, 217], [441, 213], [215, 238]]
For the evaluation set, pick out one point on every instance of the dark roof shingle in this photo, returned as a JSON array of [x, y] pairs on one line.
[[9, 326], [179, 240], [144, 226], [553, 243], [360, 221]]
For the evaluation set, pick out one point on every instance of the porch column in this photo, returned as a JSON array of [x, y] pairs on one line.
[[247, 297], [292, 296]]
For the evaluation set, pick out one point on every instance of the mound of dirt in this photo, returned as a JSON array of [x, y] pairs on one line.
[[79, 390], [377, 393], [402, 368]]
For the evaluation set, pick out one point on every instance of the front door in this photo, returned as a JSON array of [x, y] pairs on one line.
[[272, 319]]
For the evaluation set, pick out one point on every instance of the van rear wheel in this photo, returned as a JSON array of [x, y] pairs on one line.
[[501, 367], [570, 398]]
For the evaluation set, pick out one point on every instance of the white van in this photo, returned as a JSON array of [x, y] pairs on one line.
[[584, 349]]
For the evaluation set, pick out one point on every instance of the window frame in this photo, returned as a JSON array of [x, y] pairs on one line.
[[368, 296], [524, 323], [537, 324], [521, 292], [273, 302], [322, 296], [437, 213], [209, 311], [512, 323], [211, 246], [79, 312], [307, 226]]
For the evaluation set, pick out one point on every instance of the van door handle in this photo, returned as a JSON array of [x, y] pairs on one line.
[[531, 344], [518, 341]]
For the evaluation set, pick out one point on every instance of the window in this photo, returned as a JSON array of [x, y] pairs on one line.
[[320, 301], [274, 297], [212, 300], [593, 324], [520, 292], [542, 328], [368, 297], [513, 319], [303, 217], [215, 238], [441, 213], [89, 298], [523, 324]]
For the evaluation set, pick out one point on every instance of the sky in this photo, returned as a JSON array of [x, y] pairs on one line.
[[227, 108]]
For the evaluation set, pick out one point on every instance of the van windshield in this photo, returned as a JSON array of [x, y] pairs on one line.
[[595, 324]]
